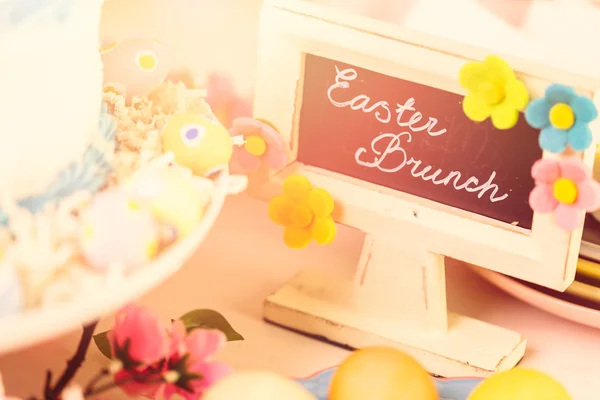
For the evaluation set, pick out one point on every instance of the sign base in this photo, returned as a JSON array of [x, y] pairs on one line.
[[317, 305]]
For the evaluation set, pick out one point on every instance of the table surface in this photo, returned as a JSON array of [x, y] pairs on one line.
[[244, 259]]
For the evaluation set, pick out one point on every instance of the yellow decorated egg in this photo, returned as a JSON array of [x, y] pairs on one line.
[[199, 143], [117, 230], [136, 66], [520, 384], [381, 373], [257, 385], [173, 198]]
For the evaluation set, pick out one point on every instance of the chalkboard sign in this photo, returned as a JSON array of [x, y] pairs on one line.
[[415, 139]]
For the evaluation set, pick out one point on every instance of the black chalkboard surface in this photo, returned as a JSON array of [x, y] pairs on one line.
[[415, 139]]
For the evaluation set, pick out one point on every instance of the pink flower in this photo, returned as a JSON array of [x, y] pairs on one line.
[[566, 188], [274, 151], [189, 356], [224, 100], [192, 359], [138, 338]]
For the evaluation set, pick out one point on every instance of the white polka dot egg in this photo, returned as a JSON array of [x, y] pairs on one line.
[[257, 385]]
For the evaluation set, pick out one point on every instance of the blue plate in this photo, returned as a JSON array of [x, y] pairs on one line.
[[449, 389]]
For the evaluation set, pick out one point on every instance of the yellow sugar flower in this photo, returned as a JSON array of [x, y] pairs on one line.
[[493, 91], [304, 211]]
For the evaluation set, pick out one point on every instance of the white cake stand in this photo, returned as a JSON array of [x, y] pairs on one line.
[[38, 325]]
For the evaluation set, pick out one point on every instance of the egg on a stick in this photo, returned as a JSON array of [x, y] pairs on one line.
[[197, 142]]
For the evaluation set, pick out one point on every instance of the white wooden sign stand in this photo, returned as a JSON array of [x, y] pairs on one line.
[[398, 294], [397, 298]]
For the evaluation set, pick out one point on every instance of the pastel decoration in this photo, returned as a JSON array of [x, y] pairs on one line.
[[199, 143], [224, 100], [564, 117], [263, 145], [304, 212], [135, 66], [493, 91], [173, 197], [118, 230], [566, 188], [12, 299]]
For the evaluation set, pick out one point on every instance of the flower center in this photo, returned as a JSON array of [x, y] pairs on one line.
[[147, 61], [492, 92], [561, 116], [301, 216], [565, 191], [255, 145]]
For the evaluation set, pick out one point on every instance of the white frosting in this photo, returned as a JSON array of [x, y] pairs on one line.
[[50, 92]]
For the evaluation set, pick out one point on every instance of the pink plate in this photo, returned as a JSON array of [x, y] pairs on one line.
[[564, 309]]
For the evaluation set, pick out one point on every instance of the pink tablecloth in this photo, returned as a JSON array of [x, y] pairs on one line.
[[244, 259]]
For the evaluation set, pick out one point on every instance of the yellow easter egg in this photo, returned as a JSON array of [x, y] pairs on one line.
[[173, 198], [520, 384], [257, 385], [198, 143], [381, 373]]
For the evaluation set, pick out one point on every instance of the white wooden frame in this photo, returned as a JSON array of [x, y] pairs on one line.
[[368, 310]]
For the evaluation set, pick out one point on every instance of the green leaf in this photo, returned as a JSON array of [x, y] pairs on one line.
[[209, 319], [103, 344]]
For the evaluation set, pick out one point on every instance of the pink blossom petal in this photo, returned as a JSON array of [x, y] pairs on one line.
[[545, 171], [178, 334], [211, 374], [575, 169], [542, 200], [568, 217], [246, 160], [204, 343], [147, 336], [588, 195], [134, 388]]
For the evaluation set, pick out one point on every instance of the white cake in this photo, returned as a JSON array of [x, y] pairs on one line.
[[50, 90]]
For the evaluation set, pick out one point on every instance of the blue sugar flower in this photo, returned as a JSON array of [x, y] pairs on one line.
[[563, 116]]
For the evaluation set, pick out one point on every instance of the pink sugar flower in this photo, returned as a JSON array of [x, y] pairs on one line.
[[263, 145], [138, 338], [566, 188]]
